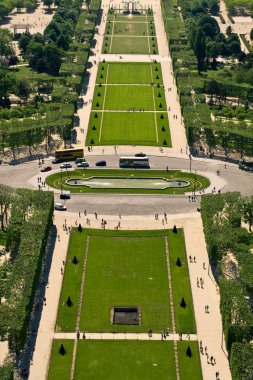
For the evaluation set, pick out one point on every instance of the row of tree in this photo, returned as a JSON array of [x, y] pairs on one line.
[[222, 217]]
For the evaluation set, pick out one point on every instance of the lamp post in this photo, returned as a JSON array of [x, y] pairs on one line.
[[61, 181], [190, 158], [194, 187]]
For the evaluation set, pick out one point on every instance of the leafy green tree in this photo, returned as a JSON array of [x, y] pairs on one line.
[[5, 42], [199, 47], [23, 89], [7, 85], [251, 34], [247, 211], [24, 41], [48, 3]]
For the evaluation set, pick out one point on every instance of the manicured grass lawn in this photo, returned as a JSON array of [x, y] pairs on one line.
[[66, 320], [130, 45], [189, 368], [127, 28], [126, 97], [128, 128], [54, 180], [126, 271], [125, 360], [185, 321], [60, 365], [129, 73]]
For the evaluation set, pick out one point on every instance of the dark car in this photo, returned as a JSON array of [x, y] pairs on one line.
[[46, 169], [57, 161], [140, 154], [101, 163], [65, 196]]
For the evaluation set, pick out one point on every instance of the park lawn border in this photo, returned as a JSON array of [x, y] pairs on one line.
[[181, 285], [189, 367], [71, 282], [54, 180], [60, 365]]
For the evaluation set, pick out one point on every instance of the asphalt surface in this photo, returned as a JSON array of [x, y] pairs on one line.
[[236, 180]]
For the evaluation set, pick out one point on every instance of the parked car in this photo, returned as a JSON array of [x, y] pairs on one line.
[[83, 165], [46, 169], [65, 196], [57, 161], [101, 163], [65, 165], [140, 154], [60, 207]]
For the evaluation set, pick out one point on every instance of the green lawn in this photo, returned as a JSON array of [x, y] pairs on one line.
[[128, 128], [54, 180], [130, 45], [126, 97], [123, 87], [125, 360], [126, 271], [60, 365], [185, 321], [127, 28], [66, 320], [190, 368]]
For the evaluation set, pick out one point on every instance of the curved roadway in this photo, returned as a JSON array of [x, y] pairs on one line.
[[108, 204]]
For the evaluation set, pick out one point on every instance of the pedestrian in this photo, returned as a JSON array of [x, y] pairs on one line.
[[194, 259], [78, 335], [84, 337], [79, 214], [189, 198], [197, 282], [190, 258], [204, 265]]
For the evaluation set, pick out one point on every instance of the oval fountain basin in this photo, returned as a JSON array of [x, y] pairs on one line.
[[157, 183]]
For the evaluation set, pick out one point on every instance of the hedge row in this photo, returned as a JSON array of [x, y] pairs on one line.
[[26, 240]]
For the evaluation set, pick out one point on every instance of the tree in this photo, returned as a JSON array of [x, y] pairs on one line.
[[5, 42], [24, 41], [183, 304], [7, 85], [189, 352], [48, 3], [23, 89], [199, 47], [247, 211]]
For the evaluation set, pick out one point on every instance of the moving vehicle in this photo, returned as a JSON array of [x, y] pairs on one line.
[[65, 196], [101, 163], [247, 166], [65, 165], [83, 165], [79, 160], [60, 207], [46, 169], [69, 154], [134, 162]]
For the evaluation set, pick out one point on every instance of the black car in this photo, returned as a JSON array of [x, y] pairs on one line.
[[101, 163], [140, 154], [57, 161], [65, 196]]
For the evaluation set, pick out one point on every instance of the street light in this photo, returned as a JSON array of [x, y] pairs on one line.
[[61, 181], [194, 185], [190, 157]]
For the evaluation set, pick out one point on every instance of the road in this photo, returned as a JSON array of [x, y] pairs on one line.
[[237, 180]]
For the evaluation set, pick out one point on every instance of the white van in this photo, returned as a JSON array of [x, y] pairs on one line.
[[60, 207]]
